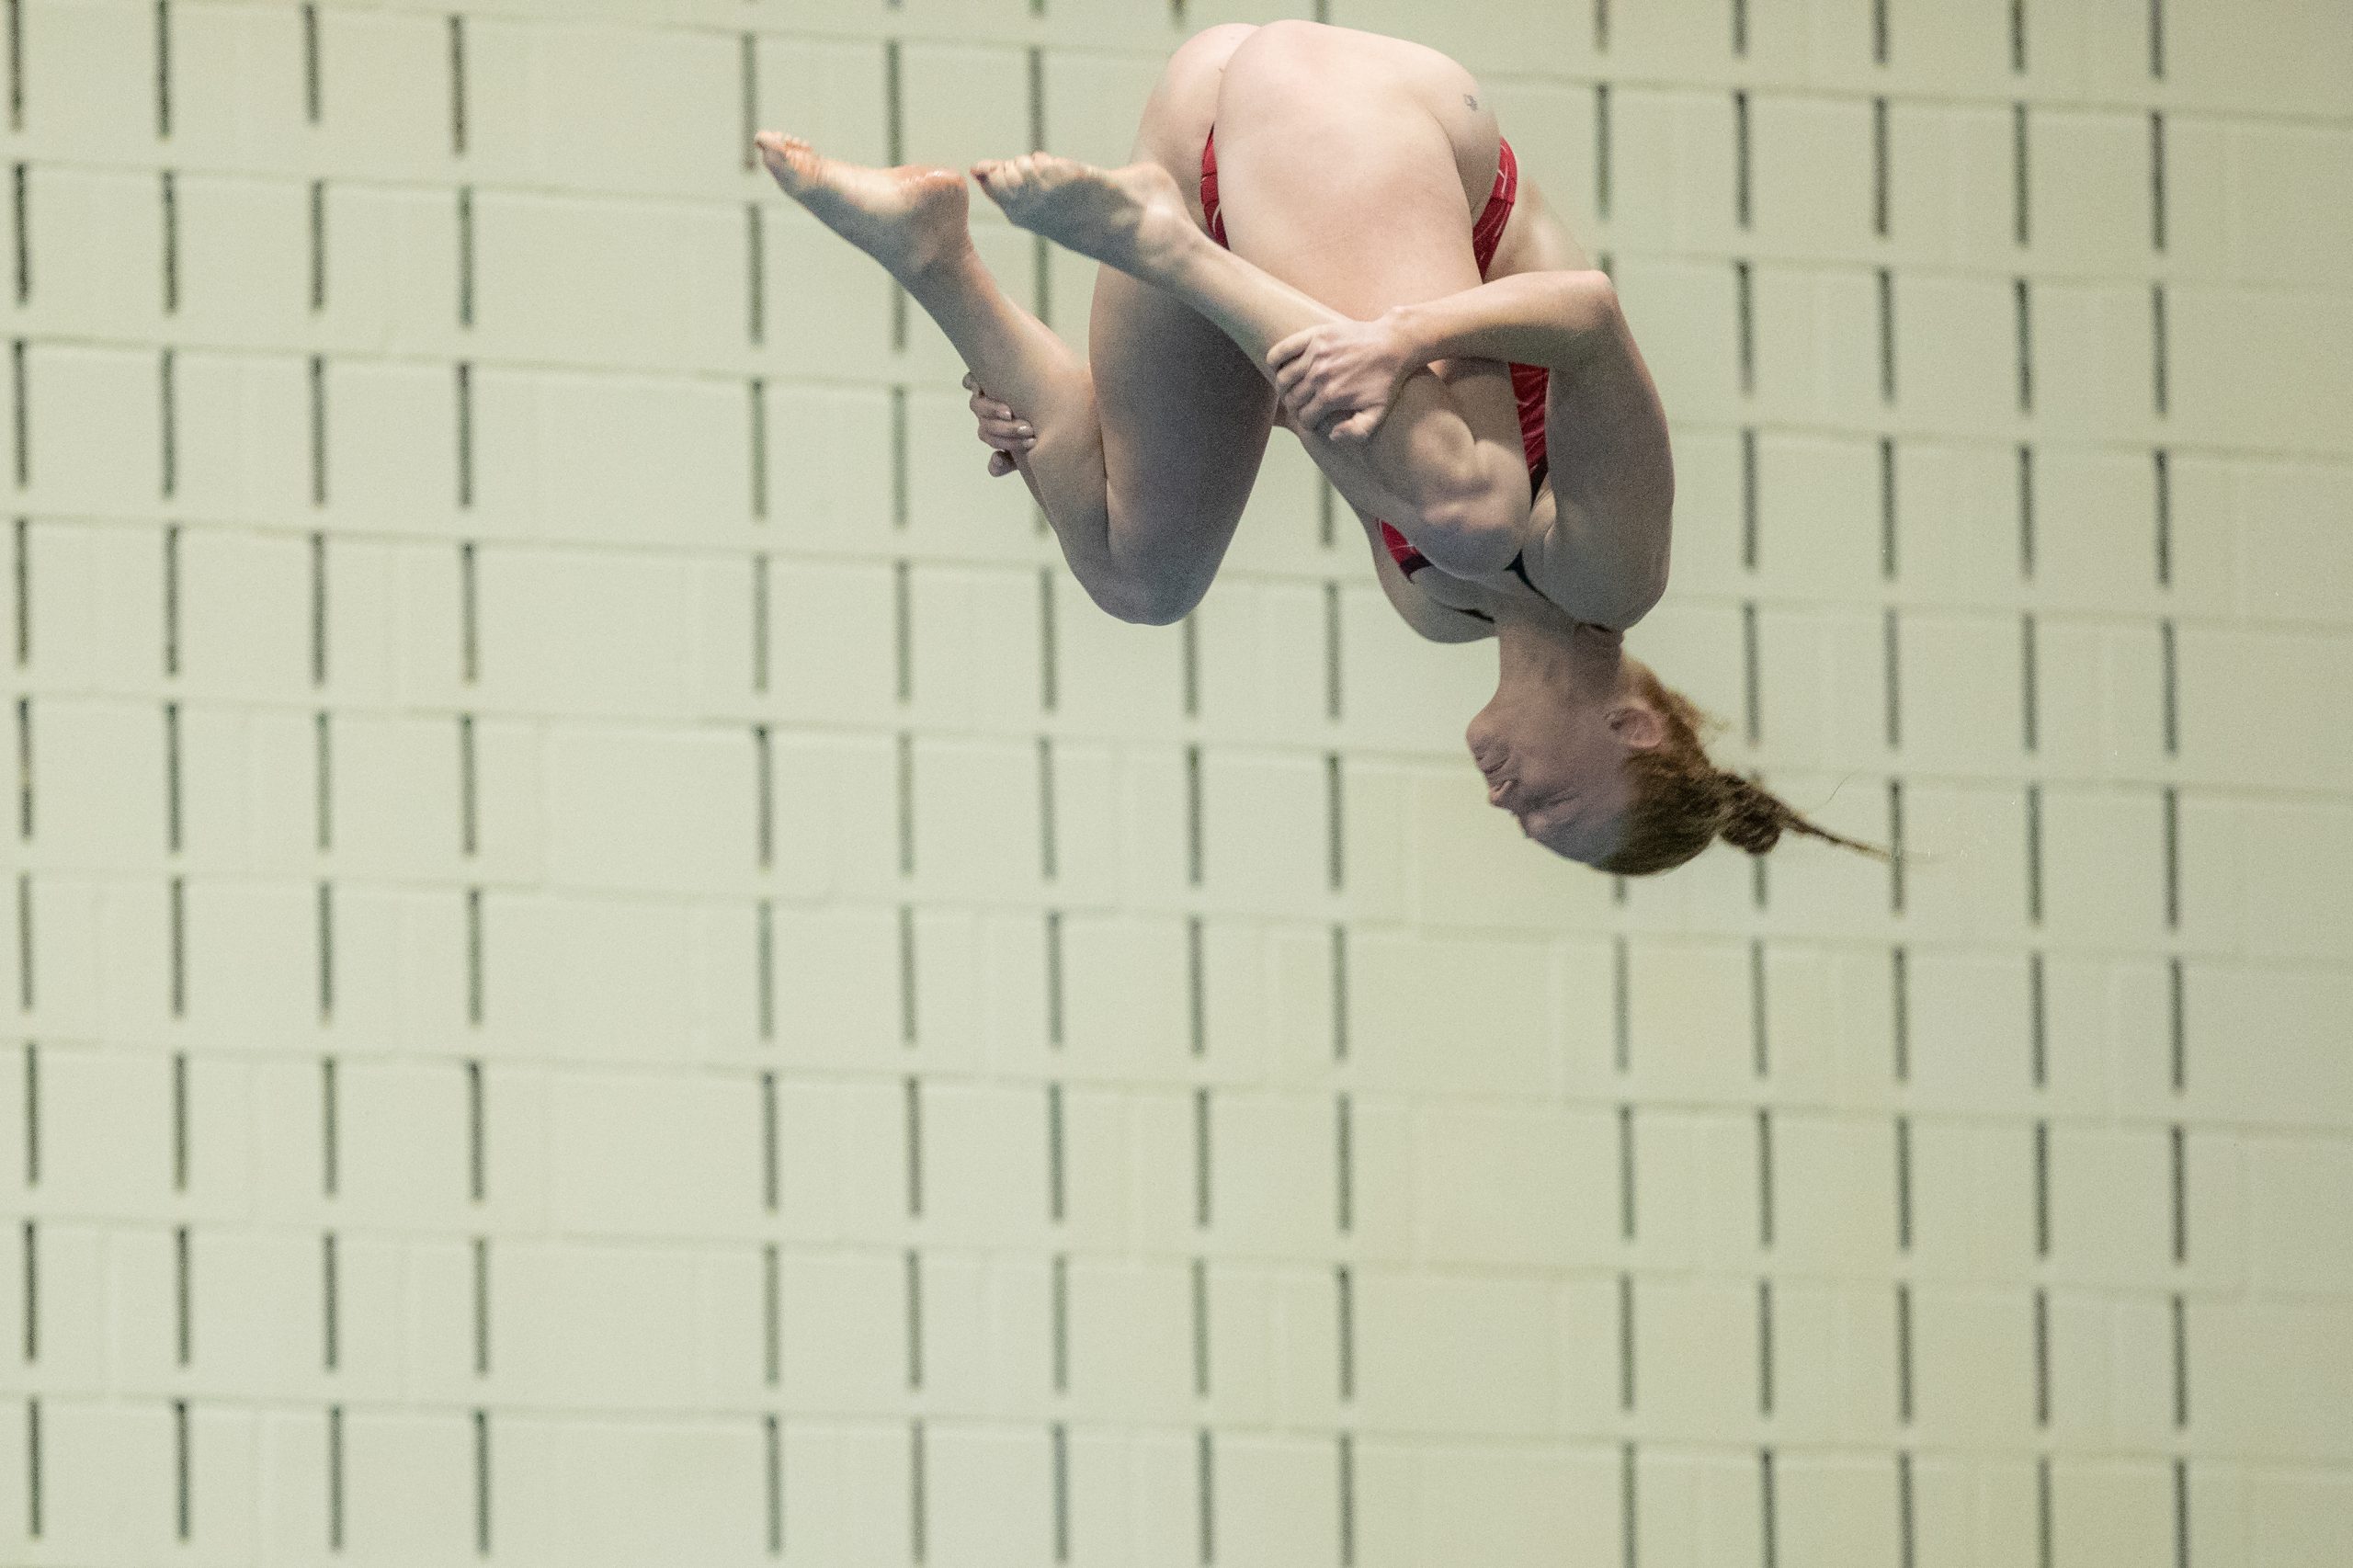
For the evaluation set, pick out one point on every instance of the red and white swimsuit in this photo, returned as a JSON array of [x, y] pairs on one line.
[[1528, 381]]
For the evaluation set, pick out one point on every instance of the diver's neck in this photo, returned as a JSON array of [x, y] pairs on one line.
[[1537, 642]]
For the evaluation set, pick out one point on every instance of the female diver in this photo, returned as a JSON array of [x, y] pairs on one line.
[[1482, 407]]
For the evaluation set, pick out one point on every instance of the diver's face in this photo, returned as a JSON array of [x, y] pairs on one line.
[[1558, 770]]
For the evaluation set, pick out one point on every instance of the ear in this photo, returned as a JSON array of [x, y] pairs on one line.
[[1637, 725]]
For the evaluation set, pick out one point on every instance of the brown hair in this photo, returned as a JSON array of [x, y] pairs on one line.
[[1683, 803]]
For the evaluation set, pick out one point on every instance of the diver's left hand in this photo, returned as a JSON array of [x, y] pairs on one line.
[[1338, 379]]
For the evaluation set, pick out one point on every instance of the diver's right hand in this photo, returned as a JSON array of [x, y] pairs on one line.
[[1001, 428]]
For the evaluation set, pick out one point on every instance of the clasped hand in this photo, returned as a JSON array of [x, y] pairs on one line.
[[1338, 379]]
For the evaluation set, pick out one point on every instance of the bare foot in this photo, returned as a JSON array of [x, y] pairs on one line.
[[1129, 218], [909, 217]]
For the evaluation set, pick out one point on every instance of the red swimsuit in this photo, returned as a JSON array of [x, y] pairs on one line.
[[1528, 381]]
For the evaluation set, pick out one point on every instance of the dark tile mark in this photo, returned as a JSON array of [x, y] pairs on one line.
[[2173, 857], [331, 1315], [2022, 305], [756, 274], [1332, 651], [1201, 1159], [1903, 1183], [167, 386], [2034, 854], [164, 94], [474, 964], [907, 1021], [335, 1477], [1906, 1517], [318, 607], [2042, 1357], [759, 448], [20, 201], [25, 941], [2027, 536], [2038, 1022], [172, 599], [172, 812], [1197, 986], [1744, 301], [23, 562], [771, 1175], [1601, 136], [2178, 1151], [1336, 839], [1060, 1323], [465, 373], [1758, 874], [2181, 1362], [2163, 464], [1764, 1178], [1626, 1343], [327, 953], [764, 967], [2157, 40], [1903, 1377], [2029, 702], [476, 1134], [171, 223], [183, 1294], [1346, 1302], [1205, 1471], [747, 80], [918, 1513], [773, 1431], [905, 754], [1756, 1009], [1764, 1347], [902, 630], [179, 946], [2168, 668], [32, 1419], [2019, 182], [32, 1122], [911, 1091], [1189, 634], [458, 86], [763, 798], [482, 1306], [469, 790], [1193, 829], [1882, 173], [1767, 1515], [312, 102], [1062, 1491], [1890, 642], [1748, 497], [1752, 695], [1054, 978], [1601, 27], [2158, 180], [183, 1463], [1344, 1154], [1740, 28], [2017, 37], [1049, 684], [1626, 1517], [16, 84], [1347, 1500], [482, 1482], [2180, 1512], [899, 458], [2043, 1189], [1056, 1180], [914, 1274], [1879, 32], [22, 390], [1621, 1002], [1886, 336], [469, 616], [2159, 356], [330, 1128], [25, 769], [318, 430], [1049, 857], [1887, 536], [1626, 1171], [1339, 991], [2176, 1023], [1741, 182], [760, 623], [1200, 1293]]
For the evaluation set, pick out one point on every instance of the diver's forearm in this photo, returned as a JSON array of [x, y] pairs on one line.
[[1547, 318]]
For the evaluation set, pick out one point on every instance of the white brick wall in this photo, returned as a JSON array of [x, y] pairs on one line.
[[609, 962]]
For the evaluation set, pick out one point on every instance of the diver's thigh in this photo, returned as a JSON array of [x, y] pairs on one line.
[[1184, 415]]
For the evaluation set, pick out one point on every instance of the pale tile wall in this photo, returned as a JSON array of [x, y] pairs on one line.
[[611, 965]]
